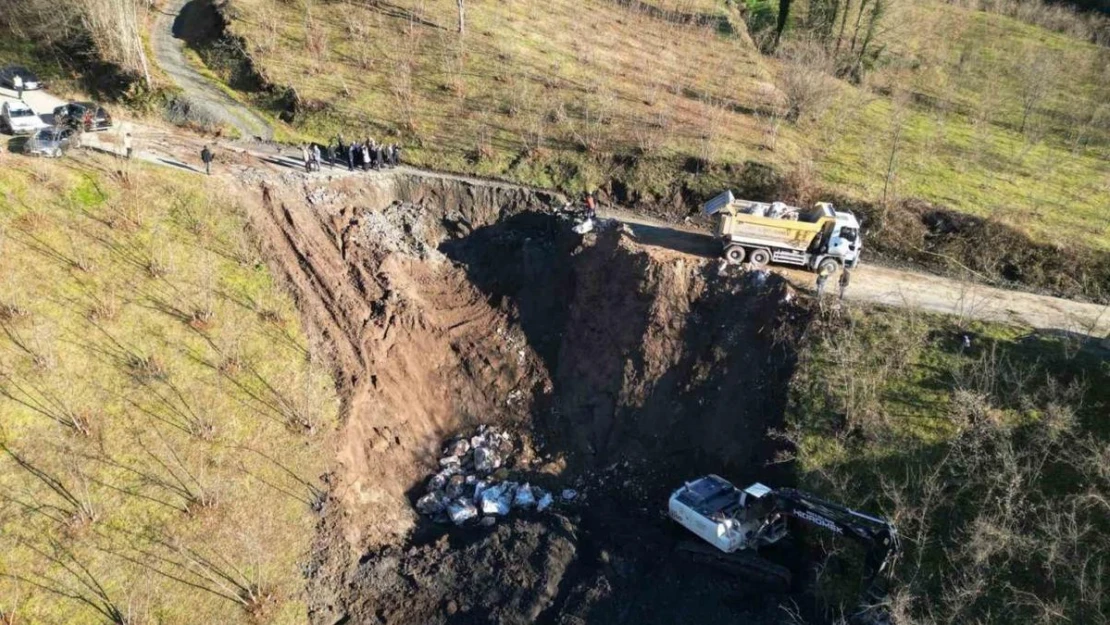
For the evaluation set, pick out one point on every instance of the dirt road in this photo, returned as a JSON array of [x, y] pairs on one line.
[[870, 283], [907, 289], [169, 55]]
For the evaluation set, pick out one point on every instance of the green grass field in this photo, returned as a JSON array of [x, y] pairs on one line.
[[162, 420]]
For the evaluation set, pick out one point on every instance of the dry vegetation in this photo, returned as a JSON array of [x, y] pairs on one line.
[[992, 461], [160, 447], [664, 103]]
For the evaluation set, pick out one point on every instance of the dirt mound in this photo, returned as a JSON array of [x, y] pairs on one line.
[[627, 370]]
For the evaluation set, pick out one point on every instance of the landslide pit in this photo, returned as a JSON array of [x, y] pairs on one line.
[[447, 303]]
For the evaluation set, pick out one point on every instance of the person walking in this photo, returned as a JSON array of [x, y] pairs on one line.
[[127, 146], [17, 82], [330, 153], [305, 158], [845, 278], [316, 157], [396, 155], [207, 157]]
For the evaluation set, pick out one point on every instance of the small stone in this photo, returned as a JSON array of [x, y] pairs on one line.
[[488, 521], [452, 607], [486, 460], [569, 494]]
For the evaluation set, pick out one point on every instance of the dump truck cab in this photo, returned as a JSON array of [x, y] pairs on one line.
[[845, 239]]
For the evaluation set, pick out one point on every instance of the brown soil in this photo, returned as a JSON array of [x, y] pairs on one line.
[[446, 304]]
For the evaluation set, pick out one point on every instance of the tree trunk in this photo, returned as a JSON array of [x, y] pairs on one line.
[[784, 16], [462, 16]]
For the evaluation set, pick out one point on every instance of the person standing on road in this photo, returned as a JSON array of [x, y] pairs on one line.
[[351, 151], [316, 156], [17, 82], [330, 153], [845, 278], [396, 155], [127, 146], [206, 156], [366, 156], [591, 206]]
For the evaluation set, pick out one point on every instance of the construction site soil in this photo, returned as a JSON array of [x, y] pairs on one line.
[[621, 370]]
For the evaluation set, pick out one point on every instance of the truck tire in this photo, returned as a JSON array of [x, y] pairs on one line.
[[759, 257], [734, 254], [828, 266]]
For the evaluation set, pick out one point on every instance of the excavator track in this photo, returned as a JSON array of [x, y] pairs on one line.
[[742, 564]]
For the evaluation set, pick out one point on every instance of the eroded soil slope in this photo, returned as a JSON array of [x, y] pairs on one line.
[[623, 370]]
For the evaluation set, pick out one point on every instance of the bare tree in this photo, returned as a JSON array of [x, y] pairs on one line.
[[1037, 76], [805, 78], [462, 16]]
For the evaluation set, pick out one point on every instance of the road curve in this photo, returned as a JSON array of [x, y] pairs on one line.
[[169, 55]]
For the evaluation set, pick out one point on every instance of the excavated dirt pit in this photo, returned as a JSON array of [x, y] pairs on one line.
[[624, 369]]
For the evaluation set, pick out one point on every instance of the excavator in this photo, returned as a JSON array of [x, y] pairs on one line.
[[735, 523]]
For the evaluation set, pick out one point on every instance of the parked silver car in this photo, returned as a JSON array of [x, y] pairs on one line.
[[52, 142], [18, 118]]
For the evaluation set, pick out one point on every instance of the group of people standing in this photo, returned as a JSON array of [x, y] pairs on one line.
[[357, 155]]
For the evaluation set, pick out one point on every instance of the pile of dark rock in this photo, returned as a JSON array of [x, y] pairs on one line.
[[472, 486]]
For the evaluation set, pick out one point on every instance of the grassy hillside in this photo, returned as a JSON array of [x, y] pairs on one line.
[[992, 461], [162, 425], [666, 102]]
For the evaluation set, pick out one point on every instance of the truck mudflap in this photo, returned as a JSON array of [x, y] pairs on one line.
[[745, 564]]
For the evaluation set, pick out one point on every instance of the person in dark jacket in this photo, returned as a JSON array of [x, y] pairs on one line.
[[329, 153], [396, 155], [352, 151], [207, 157], [378, 150]]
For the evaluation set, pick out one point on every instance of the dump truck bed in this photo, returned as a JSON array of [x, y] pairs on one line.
[[745, 222]]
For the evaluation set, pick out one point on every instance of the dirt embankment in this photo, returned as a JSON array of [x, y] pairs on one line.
[[449, 304]]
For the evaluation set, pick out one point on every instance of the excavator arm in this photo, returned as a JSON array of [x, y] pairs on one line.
[[878, 536]]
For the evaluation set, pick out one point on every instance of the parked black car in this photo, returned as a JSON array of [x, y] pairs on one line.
[[30, 80], [86, 116]]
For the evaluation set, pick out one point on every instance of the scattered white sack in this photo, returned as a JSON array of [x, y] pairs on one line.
[[486, 460], [544, 502], [450, 461], [461, 510], [524, 497], [584, 227], [570, 494], [457, 448], [431, 504], [497, 499]]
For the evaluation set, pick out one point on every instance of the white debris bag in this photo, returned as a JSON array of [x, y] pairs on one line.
[[431, 504], [497, 499], [584, 227], [457, 448], [524, 497], [450, 461], [486, 460], [544, 502], [570, 494], [461, 510]]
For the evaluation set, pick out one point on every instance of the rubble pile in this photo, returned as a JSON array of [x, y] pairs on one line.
[[471, 485]]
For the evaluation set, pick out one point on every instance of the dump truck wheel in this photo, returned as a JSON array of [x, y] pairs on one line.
[[828, 266], [759, 258], [734, 254]]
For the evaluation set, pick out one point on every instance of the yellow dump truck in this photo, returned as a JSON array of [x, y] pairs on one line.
[[822, 238]]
